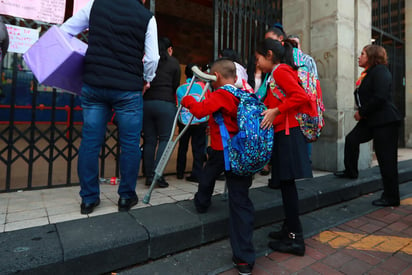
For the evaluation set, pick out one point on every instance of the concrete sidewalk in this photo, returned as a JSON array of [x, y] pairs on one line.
[[114, 241]]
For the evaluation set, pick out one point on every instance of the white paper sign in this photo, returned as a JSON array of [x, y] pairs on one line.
[[21, 39], [51, 11], [78, 4]]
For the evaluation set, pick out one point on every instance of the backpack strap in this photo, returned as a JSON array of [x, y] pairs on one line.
[[224, 133], [225, 137]]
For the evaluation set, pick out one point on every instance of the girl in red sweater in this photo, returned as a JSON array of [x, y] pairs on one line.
[[290, 161]]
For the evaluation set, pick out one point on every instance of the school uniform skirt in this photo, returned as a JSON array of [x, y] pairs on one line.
[[290, 158]]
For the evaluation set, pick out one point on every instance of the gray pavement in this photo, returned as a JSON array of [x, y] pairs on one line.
[[114, 241]]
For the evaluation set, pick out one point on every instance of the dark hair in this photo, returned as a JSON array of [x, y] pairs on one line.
[[279, 26], [164, 44], [188, 70], [278, 31], [282, 51], [231, 55], [292, 42], [376, 55], [225, 67]]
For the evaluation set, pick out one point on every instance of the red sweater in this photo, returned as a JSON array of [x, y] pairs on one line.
[[219, 100], [296, 100]]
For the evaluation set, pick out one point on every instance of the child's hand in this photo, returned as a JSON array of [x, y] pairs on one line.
[[186, 100], [269, 116]]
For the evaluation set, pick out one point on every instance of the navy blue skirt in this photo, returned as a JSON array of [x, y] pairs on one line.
[[290, 158]]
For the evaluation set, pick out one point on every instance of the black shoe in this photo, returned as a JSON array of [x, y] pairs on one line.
[[201, 209], [385, 202], [344, 174], [179, 176], [148, 181], [162, 183], [87, 208], [125, 204], [272, 185], [293, 244], [242, 267], [279, 234], [192, 179]]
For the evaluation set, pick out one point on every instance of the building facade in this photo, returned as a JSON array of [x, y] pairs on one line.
[[45, 138]]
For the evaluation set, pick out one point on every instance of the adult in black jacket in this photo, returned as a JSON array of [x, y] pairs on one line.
[[159, 110], [378, 119]]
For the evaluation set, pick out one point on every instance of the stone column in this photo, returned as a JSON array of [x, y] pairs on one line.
[[408, 73], [333, 32]]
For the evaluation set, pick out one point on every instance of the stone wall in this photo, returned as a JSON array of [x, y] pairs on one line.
[[333, 33]]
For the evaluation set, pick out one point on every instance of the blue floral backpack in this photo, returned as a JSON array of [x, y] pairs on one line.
[[251, 148]]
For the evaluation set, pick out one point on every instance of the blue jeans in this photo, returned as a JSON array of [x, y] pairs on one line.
[[97, 104]]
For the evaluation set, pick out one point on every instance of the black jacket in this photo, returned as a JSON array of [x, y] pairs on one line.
[[167, 79], [374, 97]]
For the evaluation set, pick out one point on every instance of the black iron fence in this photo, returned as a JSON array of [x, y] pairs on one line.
[[40, 129], [240, 24]]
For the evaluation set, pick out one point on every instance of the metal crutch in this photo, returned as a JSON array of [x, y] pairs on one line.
[[172, 143]]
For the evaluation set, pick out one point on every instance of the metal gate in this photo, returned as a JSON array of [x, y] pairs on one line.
[[40, 128], [240, 24], [388, 30]]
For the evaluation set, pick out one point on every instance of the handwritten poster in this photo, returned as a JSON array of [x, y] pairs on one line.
[[78, 4], [21, 39], [50, 11]]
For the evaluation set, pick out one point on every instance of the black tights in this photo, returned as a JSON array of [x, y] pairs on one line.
[[291, 205]]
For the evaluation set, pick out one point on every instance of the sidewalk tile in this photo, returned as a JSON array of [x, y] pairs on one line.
[[371, 228], [266, 265], [315, 254], [398, 226], [26, 215], [356, 223], [317, 245], [359, 254], [297, 263], [337, 259], [26, 224], [378, 271], [395, 265], [356, 266], [279, 257], [324, 269], [66, 217]]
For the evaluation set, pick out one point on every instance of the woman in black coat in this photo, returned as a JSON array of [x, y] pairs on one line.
[[378, 119]]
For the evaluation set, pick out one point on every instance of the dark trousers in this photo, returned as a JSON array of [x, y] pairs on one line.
[[197, 134], [241, 210], [158, 116], [385, 140]]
